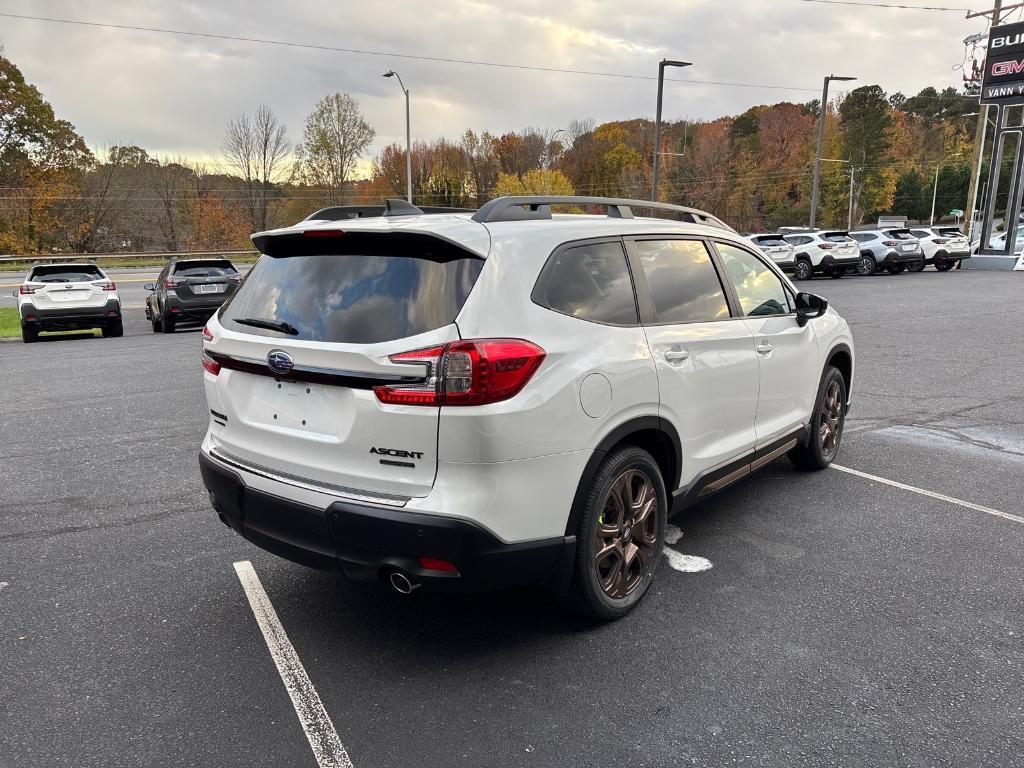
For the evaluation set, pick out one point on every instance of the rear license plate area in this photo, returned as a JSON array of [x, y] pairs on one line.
[[307, 408], [208, 288]]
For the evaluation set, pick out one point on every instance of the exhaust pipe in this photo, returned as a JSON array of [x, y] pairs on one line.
[[402, 584]]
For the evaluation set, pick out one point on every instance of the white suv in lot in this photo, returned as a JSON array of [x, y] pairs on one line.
[[777, 249], [67, 297], [508, 397], [944, 247], [822, 252]]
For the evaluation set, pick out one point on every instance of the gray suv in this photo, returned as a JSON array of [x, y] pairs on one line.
[[888, 249]]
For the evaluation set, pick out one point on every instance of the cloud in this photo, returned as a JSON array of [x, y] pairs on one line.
[[173, 94]]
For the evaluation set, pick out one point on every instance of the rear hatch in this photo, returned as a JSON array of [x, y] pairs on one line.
[[957, 239], [68, 287], [844, 246], [776, 248], [342, 306], [206, 282], [907, 242]]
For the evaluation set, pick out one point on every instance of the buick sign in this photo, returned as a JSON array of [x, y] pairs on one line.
[[280, 362], [1003, 82]]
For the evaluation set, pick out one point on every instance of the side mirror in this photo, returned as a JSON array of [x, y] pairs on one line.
[[808, 307], [14, 293], [149, 287]]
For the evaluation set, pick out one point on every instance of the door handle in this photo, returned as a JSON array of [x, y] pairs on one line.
[[676, 355], [765, 348]]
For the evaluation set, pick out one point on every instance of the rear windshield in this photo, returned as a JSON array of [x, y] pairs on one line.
[[835, 237], [77, 273], [769, 241], [205, 269], [949, 231], [899, 234], [352, 299]]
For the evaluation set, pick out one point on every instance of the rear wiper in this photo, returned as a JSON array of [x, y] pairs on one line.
[[272, 325]]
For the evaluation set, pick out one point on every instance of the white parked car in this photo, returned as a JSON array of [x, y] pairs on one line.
[[66, 297], [777, 249], [944, 247], [826, 252], [508, 397]]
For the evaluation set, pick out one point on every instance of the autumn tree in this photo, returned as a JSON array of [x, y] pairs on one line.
[[256, 148], [333, 140]]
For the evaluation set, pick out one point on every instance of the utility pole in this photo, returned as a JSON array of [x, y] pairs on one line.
[[657, 121], [849, 221], [935, 194], [821, 139]]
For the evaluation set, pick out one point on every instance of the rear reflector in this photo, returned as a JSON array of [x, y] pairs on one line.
[[434, 564], [31, 317], [111, 313], [175, 310], [467, 372], [210, 365]]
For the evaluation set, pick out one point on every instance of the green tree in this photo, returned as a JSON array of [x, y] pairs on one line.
[[335, 137], [867, 122]]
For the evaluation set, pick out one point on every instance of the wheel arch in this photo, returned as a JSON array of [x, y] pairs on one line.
[[654, 434], [841, 356]]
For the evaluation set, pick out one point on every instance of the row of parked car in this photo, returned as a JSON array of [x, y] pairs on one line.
[[808, 252], [81, 296]]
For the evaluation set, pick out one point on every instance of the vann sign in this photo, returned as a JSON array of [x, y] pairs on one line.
[[1003, 82]]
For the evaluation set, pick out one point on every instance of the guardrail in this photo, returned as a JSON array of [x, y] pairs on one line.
[[123, 255]]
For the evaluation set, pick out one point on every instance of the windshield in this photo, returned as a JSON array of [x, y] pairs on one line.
[[205, 269], [65, 274], [349, 298]]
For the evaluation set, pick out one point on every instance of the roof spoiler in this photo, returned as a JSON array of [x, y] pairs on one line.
[[534, 207], [391, 207]]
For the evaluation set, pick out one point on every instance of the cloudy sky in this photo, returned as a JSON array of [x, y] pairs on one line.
[[173, 94]]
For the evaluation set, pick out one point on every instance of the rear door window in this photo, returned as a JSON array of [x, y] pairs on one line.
[[353, 299], [920, 233], [591, 282], [798, 239], [682, 281]]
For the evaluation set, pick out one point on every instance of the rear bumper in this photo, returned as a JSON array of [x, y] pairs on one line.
[[369, 542], [828, 262], [941, 256], [70, 318], [901, 257], [197, 309]]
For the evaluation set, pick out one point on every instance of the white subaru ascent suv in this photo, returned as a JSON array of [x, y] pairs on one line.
[[508, 397]]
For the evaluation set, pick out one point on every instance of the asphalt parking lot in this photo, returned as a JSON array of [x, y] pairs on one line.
[[845, 621]]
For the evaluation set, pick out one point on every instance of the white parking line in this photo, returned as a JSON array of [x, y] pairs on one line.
[[932, 494], [327, 747]]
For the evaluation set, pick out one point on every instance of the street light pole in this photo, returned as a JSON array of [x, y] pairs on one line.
[[821, 141], [657, 121], [935, 194], [408, 136]]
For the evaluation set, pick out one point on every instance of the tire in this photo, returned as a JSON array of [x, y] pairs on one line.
[[157, 328], [29, 335], [867, 265], [167, 323], [600, 589], [114, 331], [803, 270], [829, 411], [916, 266], [897, 268], [945, 266]]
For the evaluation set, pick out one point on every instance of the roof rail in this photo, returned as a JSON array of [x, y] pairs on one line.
[[527, 207], [391, 207]]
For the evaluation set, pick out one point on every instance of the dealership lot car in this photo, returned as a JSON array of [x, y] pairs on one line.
[[777, 249], [189, 290], [511, 398], [944, 247], [893, 250], [821, 252], [67, 297]]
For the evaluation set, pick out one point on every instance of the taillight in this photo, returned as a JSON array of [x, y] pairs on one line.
[[468, 372], [107, 285], [27, 290], [323, 233], [210, 365], [827, 246], [891, 243], [170, 282], [207, 334], [940, 240]]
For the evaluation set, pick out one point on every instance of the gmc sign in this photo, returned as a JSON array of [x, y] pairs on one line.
[[1004, 69]]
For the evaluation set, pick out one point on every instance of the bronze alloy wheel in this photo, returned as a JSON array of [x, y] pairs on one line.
[[626, 536], [831, 420]]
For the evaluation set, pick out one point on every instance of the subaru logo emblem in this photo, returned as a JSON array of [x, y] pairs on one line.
[[280, 362]]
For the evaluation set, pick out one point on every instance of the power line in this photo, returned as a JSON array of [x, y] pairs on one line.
[[391, 54], [887, 5]]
